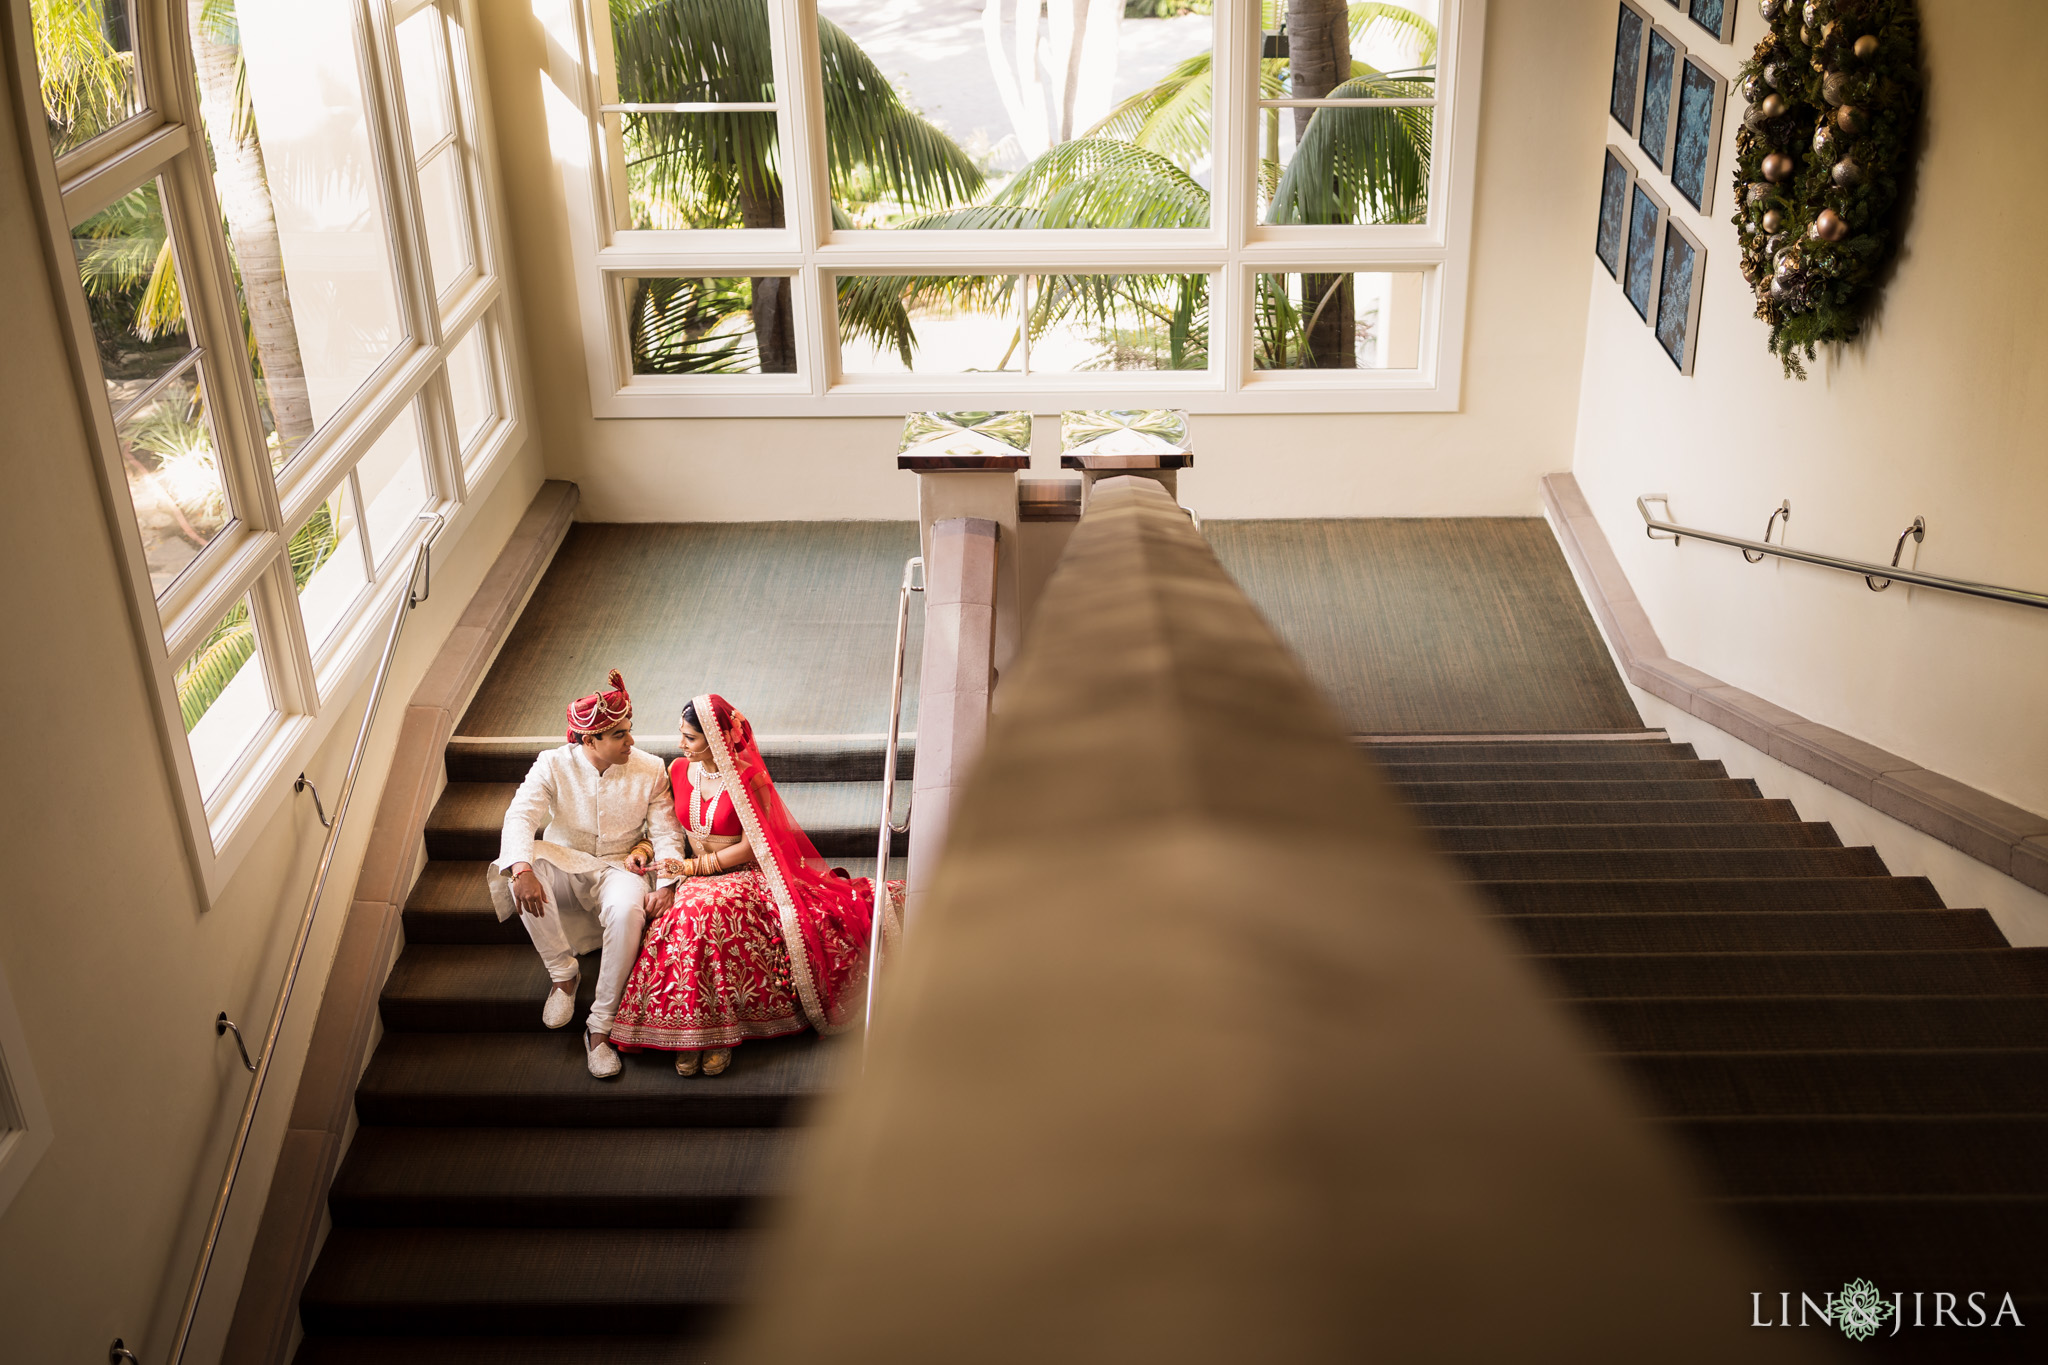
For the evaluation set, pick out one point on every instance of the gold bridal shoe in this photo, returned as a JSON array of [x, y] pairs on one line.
[[686, 1063], [716, 1060]]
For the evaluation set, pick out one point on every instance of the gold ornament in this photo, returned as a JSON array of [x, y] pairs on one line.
[[1773, 220], [1834, 88], [1866, 47], [1851, 120], [1759, 191], [1830, 226], [1847, 173], [1773, 106], [1778, 167]]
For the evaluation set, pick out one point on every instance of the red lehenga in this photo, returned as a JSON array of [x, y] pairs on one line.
[[767, 949]]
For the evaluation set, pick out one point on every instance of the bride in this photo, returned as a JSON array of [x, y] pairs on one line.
[[764, 939]]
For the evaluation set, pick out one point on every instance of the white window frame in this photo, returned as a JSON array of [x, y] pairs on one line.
[[25, 1131], [1234, 249], [247, 558]]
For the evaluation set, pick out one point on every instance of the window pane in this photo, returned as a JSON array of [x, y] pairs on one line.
[[327, 566], [425, 78], [693, 52], [675, 172], [1355, 165], [174, 479], [297, 185], [85, 55], [701, 325], [1080, 115], [132, 290], [393, 480], [1367, 321], [223, 696], [1119, 322], [447, 225], [469, 384], [959, 324]]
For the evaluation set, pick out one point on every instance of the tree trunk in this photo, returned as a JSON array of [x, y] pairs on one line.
[[774, 319], [1318, 61], [244, 190]]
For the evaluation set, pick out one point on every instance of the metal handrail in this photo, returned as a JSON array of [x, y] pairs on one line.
[[913, 581], [418, 585], [1674, 532]]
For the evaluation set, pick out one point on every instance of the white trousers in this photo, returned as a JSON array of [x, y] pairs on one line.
[[585, 910]]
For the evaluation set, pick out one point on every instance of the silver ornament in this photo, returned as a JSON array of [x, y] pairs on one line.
[[1847, 173], [1770, 9], [1759, 192], [1823, 139], [1834, 88]]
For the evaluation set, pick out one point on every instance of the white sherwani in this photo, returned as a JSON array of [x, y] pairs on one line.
[[588, 823]]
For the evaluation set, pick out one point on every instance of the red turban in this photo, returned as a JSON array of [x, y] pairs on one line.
[[600, 711]]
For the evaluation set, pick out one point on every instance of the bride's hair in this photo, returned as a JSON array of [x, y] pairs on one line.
[[690, 717]]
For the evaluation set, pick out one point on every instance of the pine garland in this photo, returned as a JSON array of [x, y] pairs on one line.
[[1830, 132]]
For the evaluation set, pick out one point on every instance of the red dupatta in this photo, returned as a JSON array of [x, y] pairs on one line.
[[825, 914]]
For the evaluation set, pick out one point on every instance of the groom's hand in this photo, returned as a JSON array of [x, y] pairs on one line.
[[526, 892], [658, 902]]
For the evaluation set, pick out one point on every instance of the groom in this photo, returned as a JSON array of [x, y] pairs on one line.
[[607, 816]]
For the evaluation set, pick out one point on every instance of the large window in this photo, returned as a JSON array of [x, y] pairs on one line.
[[275, 213], [857, 206]]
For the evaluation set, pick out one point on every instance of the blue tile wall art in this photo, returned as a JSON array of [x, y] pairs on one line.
[[1696, 137], [1661, 61], [1715, 16], [1616, 180], [1631, 34], [1646, 219]]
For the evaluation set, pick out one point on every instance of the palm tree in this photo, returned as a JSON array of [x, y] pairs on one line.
[[715, 166]]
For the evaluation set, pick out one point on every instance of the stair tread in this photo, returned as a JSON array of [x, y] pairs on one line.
[[582, 1176], [1641, 769], [1734, 1023], [1887, 1155], [1592, 895], [468, 820], [790, 758], [1537, 750], [1565, 789], [685, 1348], [1486, 838], [1960, 1080], [1452, 810], [1664, 864], [540, 1079], [1945, 972], [1756, 930]]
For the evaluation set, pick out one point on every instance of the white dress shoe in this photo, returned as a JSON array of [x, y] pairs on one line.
[[559, 1008], [602, 1057]]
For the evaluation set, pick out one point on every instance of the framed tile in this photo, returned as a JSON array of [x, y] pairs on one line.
[[1663, 56], [1681, 272], [1631, 36], [1646, 219], [1715, 16], [1696, 132], [1617, 179]]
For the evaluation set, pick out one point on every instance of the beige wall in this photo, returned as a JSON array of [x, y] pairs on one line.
[[116, 968], [1524, 333], [1937, 412]]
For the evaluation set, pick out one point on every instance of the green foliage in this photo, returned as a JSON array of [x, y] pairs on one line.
[[1809, 290], [1360, 165], [1165, 9], [86, 83], [214, 664], [674, 326]]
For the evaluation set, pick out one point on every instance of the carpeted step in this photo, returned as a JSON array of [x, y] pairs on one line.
[[1738, 1023], [1830, 1157], [452, 987], [1490, 838], [1758, 931], [1699, 789], [1973, 971], [1527, 751], [1436, 813], [1632, 896], [842, 818], [540, 1080], [1518, 770], [1661, 864], [683, 1348], [1957, 1081], [559, 1177], [540, 1280], [790, 758], [452, 904]]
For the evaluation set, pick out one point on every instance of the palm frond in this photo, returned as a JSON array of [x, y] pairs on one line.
[[674, 326], [85, 81], [1102, 183], [313, 544], [872, 308], [868, 129], [1394, 21], [1360, 165], [1171, 118]]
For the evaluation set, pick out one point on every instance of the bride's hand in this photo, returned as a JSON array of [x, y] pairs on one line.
[[672, 867]]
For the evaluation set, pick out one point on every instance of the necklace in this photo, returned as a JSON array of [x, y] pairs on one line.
[[705, 786]]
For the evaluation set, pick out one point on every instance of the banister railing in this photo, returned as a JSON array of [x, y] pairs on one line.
[[418, 585], [1755, 550], [913, 581], [1202, 1052]]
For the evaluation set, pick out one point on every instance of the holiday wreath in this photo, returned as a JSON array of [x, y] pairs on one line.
[[1834, 104]]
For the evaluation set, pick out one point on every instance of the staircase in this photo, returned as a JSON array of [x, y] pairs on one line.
[[497, 1204], [1861, 1071]]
